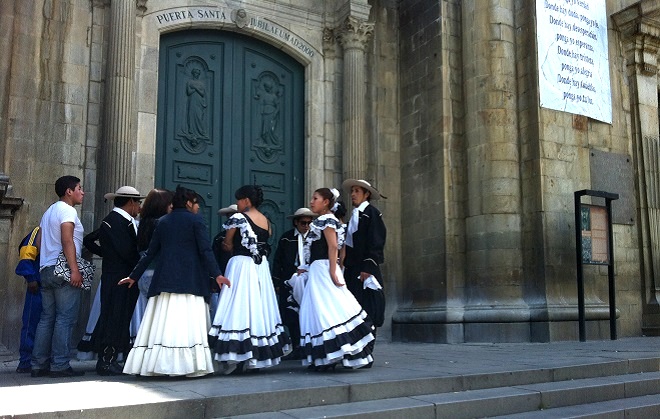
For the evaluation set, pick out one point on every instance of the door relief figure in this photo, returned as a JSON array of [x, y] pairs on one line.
[[267, 100], [194, 134]]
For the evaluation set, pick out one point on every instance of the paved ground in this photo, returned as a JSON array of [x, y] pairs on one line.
[[394, 361]]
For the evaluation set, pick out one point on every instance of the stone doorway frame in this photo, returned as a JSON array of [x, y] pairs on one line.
[[318, 97]]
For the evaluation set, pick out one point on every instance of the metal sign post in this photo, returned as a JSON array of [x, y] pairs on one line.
[[594, 245]]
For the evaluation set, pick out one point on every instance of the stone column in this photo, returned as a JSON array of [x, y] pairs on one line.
[[353, 37], [639, 26], [7, 46], [332, 113], [495, 310], [117, 147]]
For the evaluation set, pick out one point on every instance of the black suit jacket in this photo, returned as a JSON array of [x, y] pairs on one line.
[[286, 255], [185, 260], [118, 246], [368, 243]]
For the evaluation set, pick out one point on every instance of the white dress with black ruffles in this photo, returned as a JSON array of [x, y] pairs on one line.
[[333, 325], [247, 322], [172, 338]]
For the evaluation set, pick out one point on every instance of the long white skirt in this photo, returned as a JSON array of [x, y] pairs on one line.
[[172, 338], [332, 323], [247, 321]]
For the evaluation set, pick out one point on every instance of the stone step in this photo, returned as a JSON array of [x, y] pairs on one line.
[[522, 399], [634, 407], [396, 392]]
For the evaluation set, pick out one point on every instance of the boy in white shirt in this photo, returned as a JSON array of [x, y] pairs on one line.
[[61, 231]]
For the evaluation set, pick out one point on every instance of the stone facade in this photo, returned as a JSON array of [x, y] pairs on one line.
[[434, 101]]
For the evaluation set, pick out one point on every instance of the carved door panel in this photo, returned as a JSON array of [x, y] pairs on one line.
[[230, 112]]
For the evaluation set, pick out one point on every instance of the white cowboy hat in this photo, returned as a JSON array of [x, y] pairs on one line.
[[232, 209], [303, 212], [125, 192], [348, 183]]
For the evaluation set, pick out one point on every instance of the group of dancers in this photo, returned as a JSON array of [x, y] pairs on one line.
[[177, 336], [174, 274]]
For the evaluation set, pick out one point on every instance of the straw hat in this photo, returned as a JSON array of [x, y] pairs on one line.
[[349, 183], [125, 192], [302, 212], [232, 209]]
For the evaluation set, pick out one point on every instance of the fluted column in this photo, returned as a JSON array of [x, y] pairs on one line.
[[353, 37], [117, 146]]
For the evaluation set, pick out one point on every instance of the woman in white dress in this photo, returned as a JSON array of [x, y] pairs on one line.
[[172, 339], [333, 326], [247, 327]]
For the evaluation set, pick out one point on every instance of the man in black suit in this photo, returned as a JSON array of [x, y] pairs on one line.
[[118, 245], [365, 242], [288, 257]]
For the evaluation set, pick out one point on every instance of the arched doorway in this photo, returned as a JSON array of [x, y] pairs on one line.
[[230, 112]]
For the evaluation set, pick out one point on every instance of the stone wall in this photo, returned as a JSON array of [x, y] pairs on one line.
[[46, 72], [509, 182], [480, 179], [383, 129], [433, 177]]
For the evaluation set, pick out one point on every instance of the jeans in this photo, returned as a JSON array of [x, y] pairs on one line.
[[60, 304]]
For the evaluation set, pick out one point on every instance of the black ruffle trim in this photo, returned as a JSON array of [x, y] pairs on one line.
[[333, 345], [260, 353]]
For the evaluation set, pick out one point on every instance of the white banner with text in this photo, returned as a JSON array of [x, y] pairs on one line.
[[574, 72]]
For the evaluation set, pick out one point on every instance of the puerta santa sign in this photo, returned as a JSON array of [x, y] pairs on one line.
[[574, 72]]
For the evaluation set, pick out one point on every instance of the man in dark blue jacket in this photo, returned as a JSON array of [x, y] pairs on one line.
[[28, 267]]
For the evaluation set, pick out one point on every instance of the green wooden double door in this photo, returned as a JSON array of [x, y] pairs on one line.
[[230, 113]]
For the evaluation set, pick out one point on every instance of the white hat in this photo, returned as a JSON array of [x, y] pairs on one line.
[[232, 209], [302, 212], [348, 183], [124, 192]]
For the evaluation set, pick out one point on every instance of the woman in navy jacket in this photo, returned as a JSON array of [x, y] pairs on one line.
[[172, 339]]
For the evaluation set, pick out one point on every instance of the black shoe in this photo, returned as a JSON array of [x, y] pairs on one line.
[[326, 368], [69, 372], [109, 368], [23, 370], [39, 373], [295, 355]]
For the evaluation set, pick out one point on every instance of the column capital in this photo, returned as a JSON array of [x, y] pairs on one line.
[[639, 25], [141, 6], [354, 33]]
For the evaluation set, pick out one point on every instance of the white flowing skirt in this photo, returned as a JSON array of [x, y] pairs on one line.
[[172, 338], [247, 322], [332, 323]]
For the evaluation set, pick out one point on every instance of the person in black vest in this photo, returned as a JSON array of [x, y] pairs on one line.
[[118, 242], [365, 242], [288, 257]]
